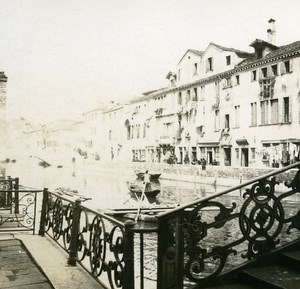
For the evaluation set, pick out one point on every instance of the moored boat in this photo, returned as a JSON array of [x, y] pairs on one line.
[[152, 176], [150, 190]]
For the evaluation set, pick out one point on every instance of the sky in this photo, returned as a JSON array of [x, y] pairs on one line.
[[64, 57]]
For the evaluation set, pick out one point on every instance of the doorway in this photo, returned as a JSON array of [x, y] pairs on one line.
[[245, 157], [227, 156]]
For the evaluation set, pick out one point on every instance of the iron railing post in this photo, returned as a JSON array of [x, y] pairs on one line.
[[43, 212], [8, 197], [74, 234], [16, 188], [129, 256], [170, 247]]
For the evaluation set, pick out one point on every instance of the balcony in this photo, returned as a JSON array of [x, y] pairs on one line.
[[266, 87], [227, 84], [159, 112], [166, 139]]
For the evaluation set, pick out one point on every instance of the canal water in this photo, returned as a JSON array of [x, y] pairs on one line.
[[106, 186]]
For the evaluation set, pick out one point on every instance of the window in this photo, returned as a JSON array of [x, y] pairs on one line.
[[195, 69], [217, 120], [209, 64], [237, 153], [188, 96], [237, 115], [180, 98], [110, 135], [217, 153], [227, 82], [274, 70], [237, 80], [286, 110], [286, 67], [128, 132], [228, 60], [274, 111], [264, 107], [144, 130], [138, 131], [195, 98], [227, 123], [131, 132], [259, 53], [264, 72], [253, 153], [253, 75], [266, 87], [179, 72], [202, 89], [253, 114], [217, 87]]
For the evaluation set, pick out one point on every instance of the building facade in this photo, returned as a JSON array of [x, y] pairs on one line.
[[222, 106], [231, 107]]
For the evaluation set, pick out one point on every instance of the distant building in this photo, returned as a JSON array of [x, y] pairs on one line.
[[222, 106]]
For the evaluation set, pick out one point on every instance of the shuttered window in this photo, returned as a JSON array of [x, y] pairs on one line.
[[254, 114], [274, 111], [264, 108]]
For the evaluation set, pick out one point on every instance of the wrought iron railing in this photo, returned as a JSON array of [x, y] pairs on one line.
[[100, 243], [18, 207], [200, 241]]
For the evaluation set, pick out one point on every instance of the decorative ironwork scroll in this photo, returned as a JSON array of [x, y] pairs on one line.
[[226, 229], [100, 239], [17, 207]]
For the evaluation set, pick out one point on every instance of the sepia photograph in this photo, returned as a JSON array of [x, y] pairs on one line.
[[149, 144]]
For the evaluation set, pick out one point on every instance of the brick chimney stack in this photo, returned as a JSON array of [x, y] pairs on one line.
[[271, 32]]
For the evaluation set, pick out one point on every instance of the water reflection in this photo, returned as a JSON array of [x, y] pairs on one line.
[[107, 186]]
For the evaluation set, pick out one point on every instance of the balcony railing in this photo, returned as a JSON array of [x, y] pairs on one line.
[[199, 241], [18, 209], [103, 245], [266, 87], [196, 242]]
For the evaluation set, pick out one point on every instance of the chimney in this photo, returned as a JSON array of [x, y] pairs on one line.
[[271, 32]]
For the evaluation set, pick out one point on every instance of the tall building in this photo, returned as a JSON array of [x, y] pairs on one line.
[[232, 107]]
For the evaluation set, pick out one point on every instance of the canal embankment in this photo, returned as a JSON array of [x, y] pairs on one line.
[[213, 175], [224, 176]]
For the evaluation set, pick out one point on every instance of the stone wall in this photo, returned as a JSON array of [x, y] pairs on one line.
[[216, 175]]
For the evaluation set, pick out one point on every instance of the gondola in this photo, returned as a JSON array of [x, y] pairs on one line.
[[153, 176], [150, 191]]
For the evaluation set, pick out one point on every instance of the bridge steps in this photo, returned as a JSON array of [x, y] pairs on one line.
[[278, 271]]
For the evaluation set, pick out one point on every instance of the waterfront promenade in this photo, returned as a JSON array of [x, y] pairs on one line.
[[35, 262]]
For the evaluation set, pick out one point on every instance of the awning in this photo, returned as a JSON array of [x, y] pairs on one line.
[[208, 144], [282, 141], [242, 142]]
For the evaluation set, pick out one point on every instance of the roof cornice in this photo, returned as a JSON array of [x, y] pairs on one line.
[[248, 66]]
